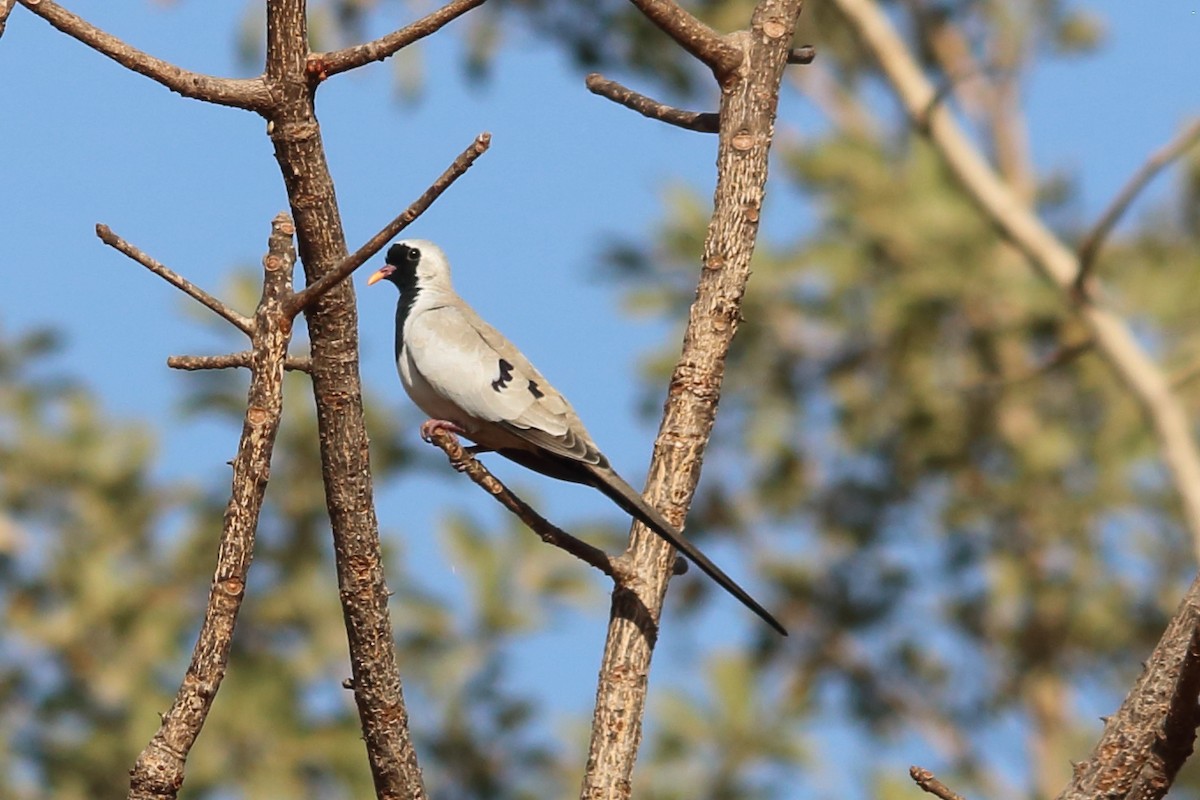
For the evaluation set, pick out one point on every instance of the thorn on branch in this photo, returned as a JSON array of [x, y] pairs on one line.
[[298, 364], [805, 54], [301, 300], [929, 782], [242, 323], [1091, 244], [464, 461], [699, 121]]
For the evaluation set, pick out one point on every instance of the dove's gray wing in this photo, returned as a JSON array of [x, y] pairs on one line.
[[475, 368]]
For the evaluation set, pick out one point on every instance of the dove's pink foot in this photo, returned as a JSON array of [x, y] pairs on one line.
[[432, 426]]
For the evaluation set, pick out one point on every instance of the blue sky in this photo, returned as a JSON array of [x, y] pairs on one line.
[[86, 141]]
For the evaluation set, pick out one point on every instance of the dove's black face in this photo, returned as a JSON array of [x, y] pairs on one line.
[[401, 267], [416, 267], [403, 256]]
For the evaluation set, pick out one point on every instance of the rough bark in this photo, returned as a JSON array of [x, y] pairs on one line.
[[749, 98], [1150, 737], [158, 772], [337, 387]]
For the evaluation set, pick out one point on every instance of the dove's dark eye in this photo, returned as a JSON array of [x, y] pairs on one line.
[[413, 255]]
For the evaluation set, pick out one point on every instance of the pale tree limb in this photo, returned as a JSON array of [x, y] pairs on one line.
[[701, 41], [699, 121], [239, 321], [246, 93], [159, 770], [1141, 376], [373, 245], [1094, 240], [749, 99], [323, 65]]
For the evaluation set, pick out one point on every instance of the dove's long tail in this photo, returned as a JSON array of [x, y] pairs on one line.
[[624, 495]]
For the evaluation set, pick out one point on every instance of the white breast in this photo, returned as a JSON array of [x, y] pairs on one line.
[[424, 395]]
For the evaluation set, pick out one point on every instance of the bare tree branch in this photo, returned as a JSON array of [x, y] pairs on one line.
[[1095, 238], [699, 121], [233, 361], [372, 246], [197, 363], [159, 770], [248, 93], [1142, 377], [551, 534], [701, 41], [1146, 742], [749, 100], [242, 323], [322, 65], [929, 782], [337, 392]]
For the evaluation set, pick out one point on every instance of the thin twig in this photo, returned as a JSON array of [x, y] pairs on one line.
[[247, 93], [6, 7], [311, 293], [1185, 376], [242, 323], [322, 65], [929, 782], [196, 363], [233, 361], [1092, 243], [692, 35], [159, 770], [549, 533], [1061, 357], [700, 121]]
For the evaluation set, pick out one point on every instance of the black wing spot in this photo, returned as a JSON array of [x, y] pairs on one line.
[[505, 376], [535, 391]]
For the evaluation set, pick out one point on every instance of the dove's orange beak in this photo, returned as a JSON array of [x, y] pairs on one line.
[[379, 275]]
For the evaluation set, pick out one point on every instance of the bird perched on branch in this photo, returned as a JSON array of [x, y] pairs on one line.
[[472, 381]]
